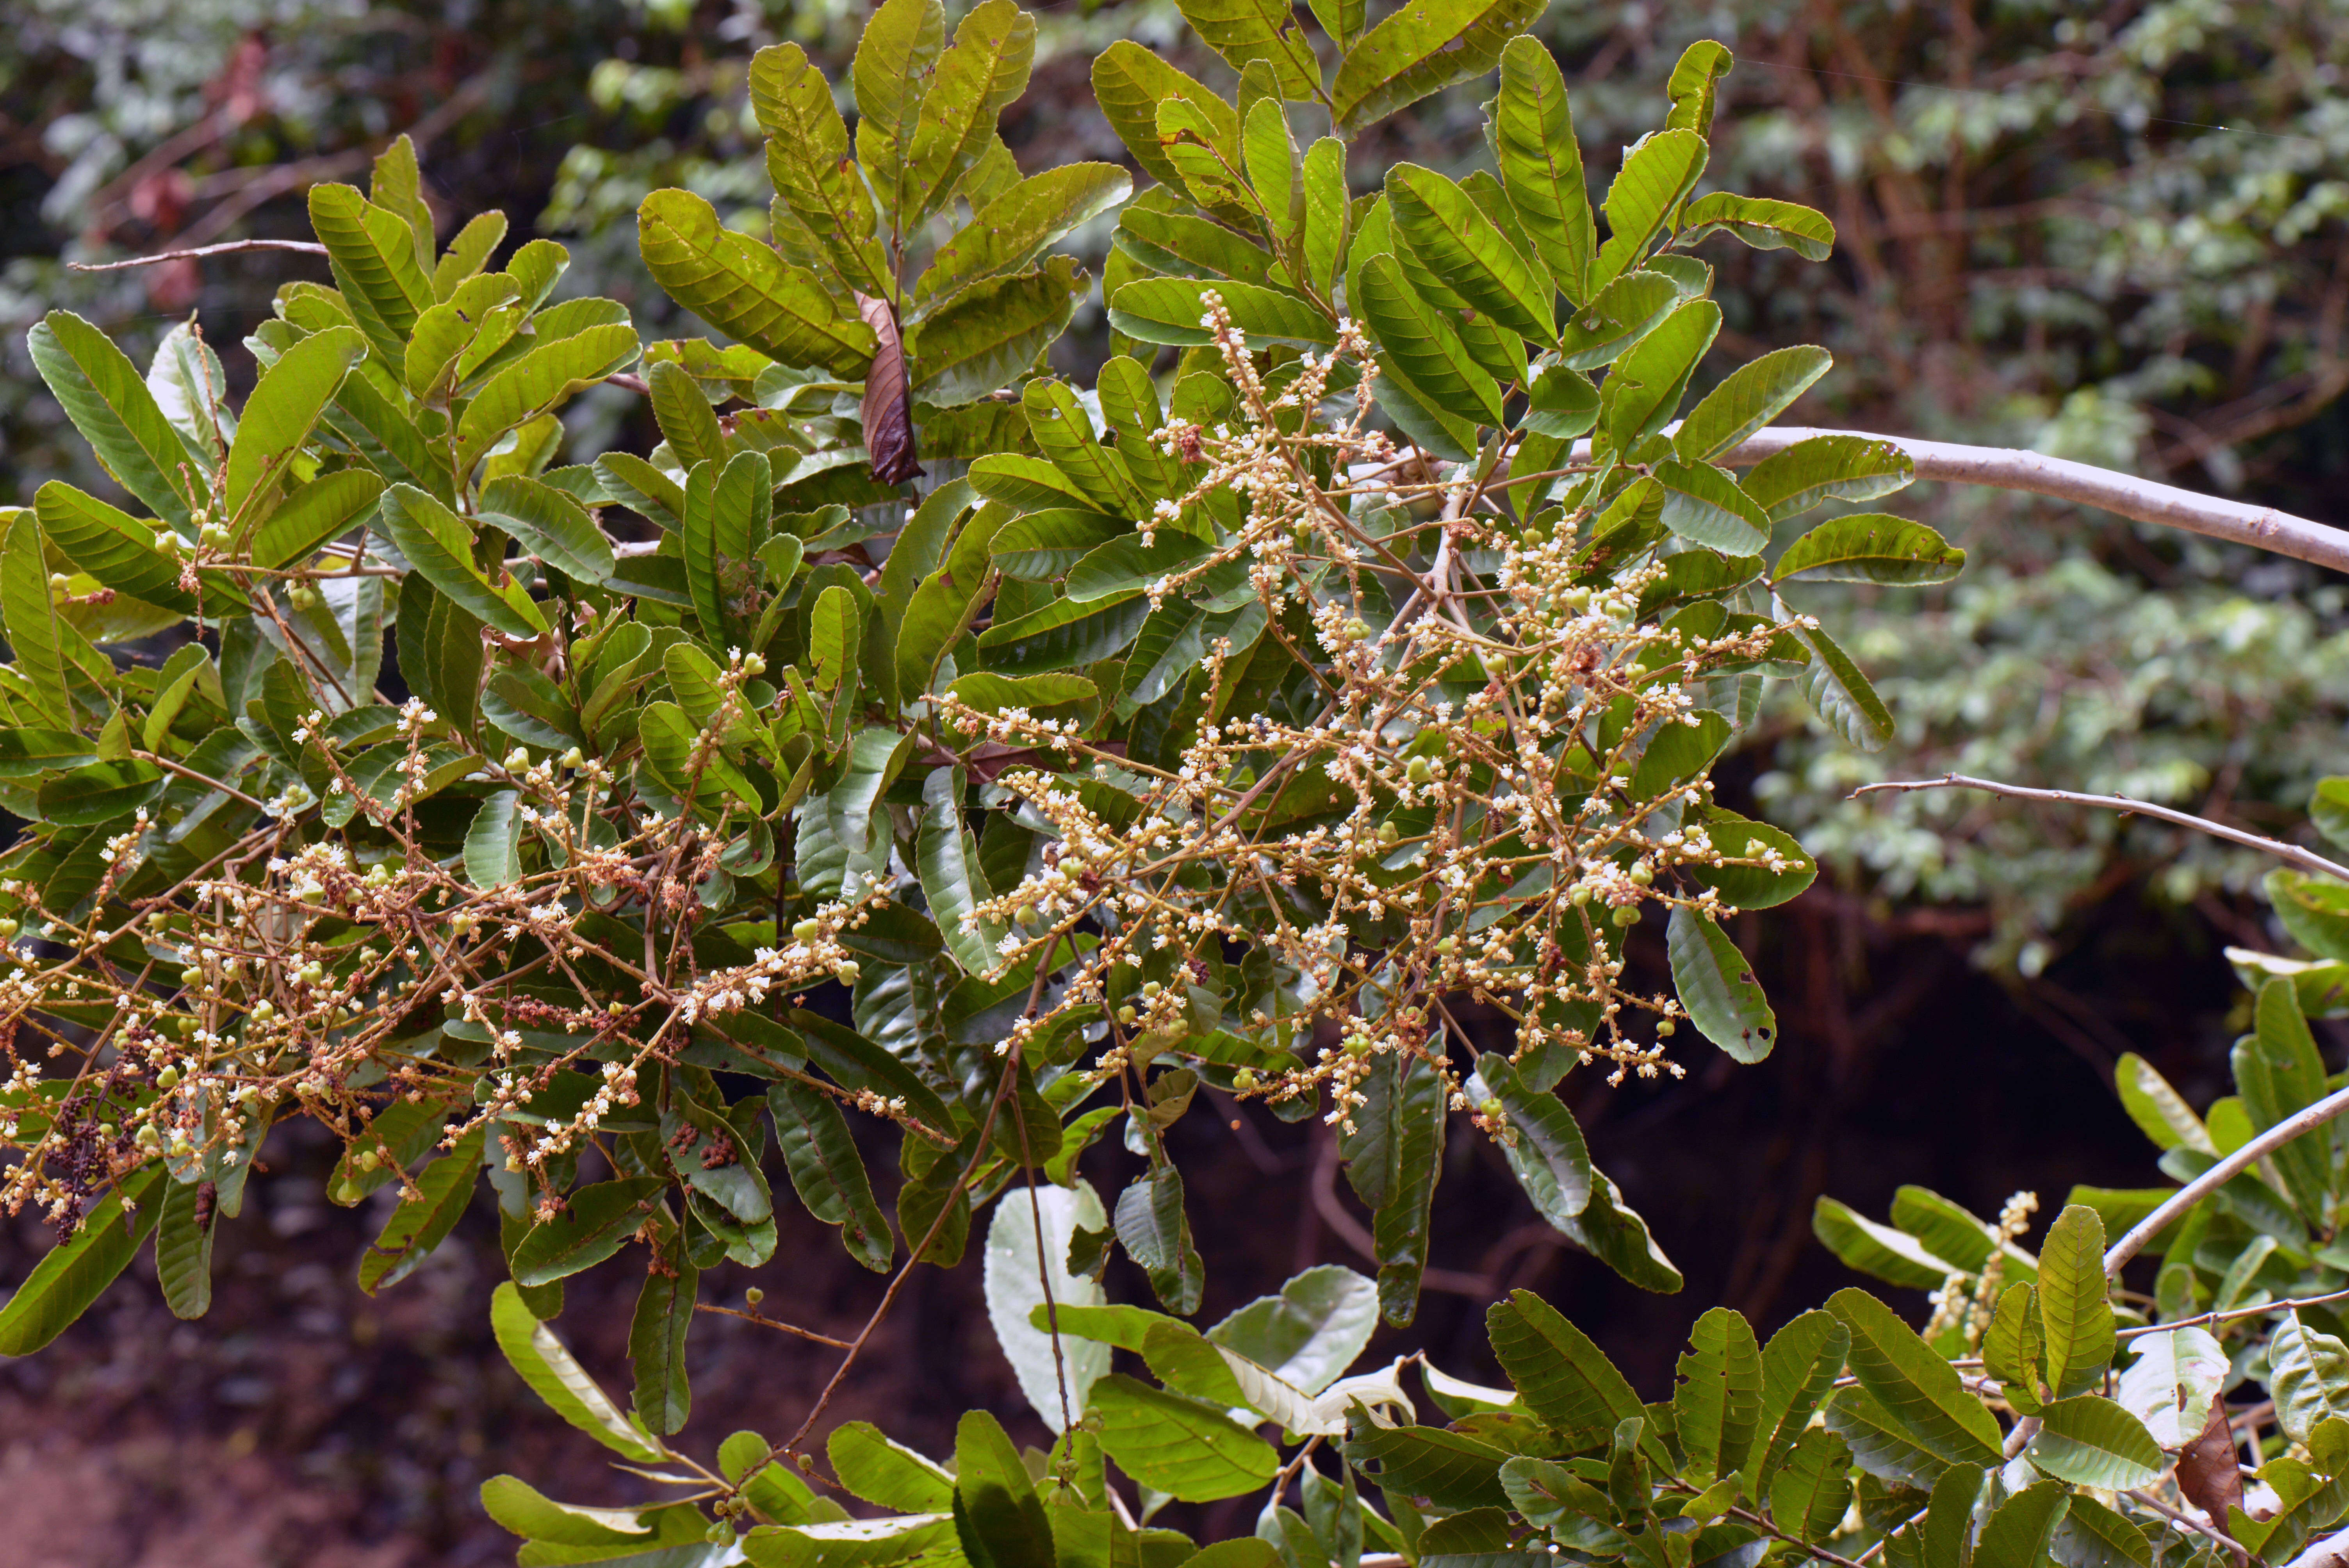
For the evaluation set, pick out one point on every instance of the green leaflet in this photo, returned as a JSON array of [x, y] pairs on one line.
[[1435, 219], [1717, 987], [1327, 211], [1015, 228], [807, 161], [1919, 1389], [597, 1224], [947, 856], [881, 1470], [183, 1253], [1718, 1403], [1560, 1375], [119, 552], [1704, 504], [100, 793], [1761, 222], [2074, 1311], [1422, 49], [1401, 1226], [1151, 1222], [1246, 30], [550, 525], [1869, 547], [492, 855], [373, 252], [104, 395], [1449, 1469], [891, 72], [1841, 695], [1748, 398], [313, 515], [1548, 1155], [421, 1224], [1130, 82], [1799, 1365], [1654, 178], [70, 1275], [1169, 311], [1826, 468], [37, 637], [556, 1378], [744, 289], [2016, 1534], [827, 1173], [984, 337], [1541, 165], [1891, 1255], [656, 1335], [1423, 350], [1176, 1445], [440, 545], [542, 379], [1182, 245], [1652, 374], [1064, 633], [684, 415], [727, 512], [2309, 1376], [1811, 1489], [688, 762], [285, 405], [2088, 1440], [976, 79], [447, 333]]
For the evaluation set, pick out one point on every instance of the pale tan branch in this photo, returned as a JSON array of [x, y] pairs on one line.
[[306, 247], [2291, 854]]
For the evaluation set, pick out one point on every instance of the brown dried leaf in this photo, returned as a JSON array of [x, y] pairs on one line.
[[2206, 1468], [888, 398]]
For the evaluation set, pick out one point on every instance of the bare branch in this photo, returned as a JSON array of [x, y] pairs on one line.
[[304, 246], [2291, 854], [2145, 500], [2219, 1175]]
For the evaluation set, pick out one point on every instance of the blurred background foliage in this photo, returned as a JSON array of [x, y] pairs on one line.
[[2115, 232]]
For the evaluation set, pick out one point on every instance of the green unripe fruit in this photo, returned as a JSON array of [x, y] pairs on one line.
[[366, 1159], [192, 976], [1358, 628], [184, 1025], [1419, 770], [1666, 1029], [848, 972], [263, 1011], [302, 596], [754, 664], [1244, 1081], [1579, 898], [1150, 988], [1643, 875], [1389, 834], [146, 1137], [575, 757], [107, 1132], [8, 928], [1357, 1046], [1627, 916], [1445, 946], [310, 893], [517, 759], [168, 1078], [806, 930], [1127, 1015], [312, 972], [1491, 1109], [754, 1295]]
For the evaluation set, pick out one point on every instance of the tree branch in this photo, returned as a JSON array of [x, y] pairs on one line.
[[2219, 1175], [305, 246], [2145, 500], [2291, 854]]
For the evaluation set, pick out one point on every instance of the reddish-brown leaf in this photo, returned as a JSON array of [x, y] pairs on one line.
[[888, 398]]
